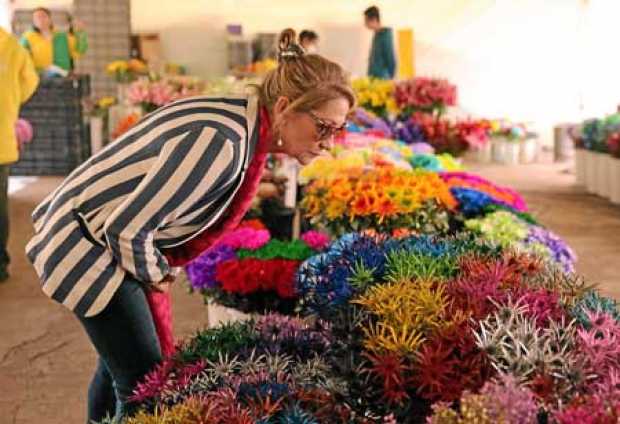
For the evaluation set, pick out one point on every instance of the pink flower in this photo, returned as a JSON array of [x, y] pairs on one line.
[[154, 383], [423, 92], [315, 239], [162, 93], [245, 238], [139, 92]]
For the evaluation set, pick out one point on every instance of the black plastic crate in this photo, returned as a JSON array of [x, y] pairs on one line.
[[61, 139]]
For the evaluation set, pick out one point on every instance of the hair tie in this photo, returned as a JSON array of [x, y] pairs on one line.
[[292, 51]]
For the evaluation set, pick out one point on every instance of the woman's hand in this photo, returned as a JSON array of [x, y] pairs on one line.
[[271, 185], [164, 285], [78, 25], [267, 190]]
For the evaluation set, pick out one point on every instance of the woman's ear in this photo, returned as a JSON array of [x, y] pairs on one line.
[[280, 107]]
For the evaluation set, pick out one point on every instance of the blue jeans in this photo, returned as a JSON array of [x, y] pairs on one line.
[[125, 338], [4, 220]]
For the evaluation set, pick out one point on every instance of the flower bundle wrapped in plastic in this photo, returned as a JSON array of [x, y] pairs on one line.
[[500, 194], [376, 95], [508, 230], [246, 270], [383, 199], [425, 94]]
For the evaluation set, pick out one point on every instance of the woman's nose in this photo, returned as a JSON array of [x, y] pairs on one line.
[[327, 143]]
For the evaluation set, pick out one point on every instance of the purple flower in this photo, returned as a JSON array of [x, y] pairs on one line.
[[422, 149], [408, 131], [560, 251], [202, 270]]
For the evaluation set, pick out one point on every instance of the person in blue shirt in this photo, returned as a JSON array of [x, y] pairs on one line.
[[382, 61]]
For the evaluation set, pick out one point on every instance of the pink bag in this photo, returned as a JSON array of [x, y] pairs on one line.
[[161, 309], [23, 132], [160, 303]]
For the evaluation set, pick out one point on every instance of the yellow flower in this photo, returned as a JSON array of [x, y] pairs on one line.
[[117, 66], [137, 66], [449, 163], [106, 102], [335, 210]]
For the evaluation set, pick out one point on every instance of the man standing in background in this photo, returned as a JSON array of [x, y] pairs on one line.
[[18, 81], [382, 61], [309, 41]]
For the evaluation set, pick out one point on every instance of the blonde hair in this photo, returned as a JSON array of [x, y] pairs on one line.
[[307, 80]]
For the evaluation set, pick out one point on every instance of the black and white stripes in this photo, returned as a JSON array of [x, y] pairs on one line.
[[161, 184]]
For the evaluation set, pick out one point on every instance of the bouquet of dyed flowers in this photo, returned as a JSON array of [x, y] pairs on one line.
[[376, 95], [440, 133], [613, 143], [271, 370], [249, 271], [510, 231], [124, 71], [431, 95], [151, 95], [449, 330], [125, 124], [436, 317], [476, 133], [359, 152], [508, 130], [383, 199], [600, 134], [501, 195]]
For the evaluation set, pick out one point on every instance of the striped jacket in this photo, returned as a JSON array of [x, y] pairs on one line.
[[160, 185]]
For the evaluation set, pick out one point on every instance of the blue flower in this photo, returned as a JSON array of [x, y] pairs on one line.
[[296, 415], [472, 202], [427, 162]]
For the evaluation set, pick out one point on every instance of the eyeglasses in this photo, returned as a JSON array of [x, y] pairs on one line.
[[324, 129]]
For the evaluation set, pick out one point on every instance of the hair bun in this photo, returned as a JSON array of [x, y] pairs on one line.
[[288, 49]]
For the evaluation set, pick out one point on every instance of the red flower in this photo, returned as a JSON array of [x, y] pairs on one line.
[[392, 373], [251, 275], [449, 363], [255, 224]]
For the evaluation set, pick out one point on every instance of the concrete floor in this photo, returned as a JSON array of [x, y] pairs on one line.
[[46, 360]]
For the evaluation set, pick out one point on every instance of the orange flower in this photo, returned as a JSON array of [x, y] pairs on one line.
[[360, 206], [341, 193], [401, 232], [386, 208], [125, 124]]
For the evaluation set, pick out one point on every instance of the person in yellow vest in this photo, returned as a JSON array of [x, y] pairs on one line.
[[18, 81], [53, 51]]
